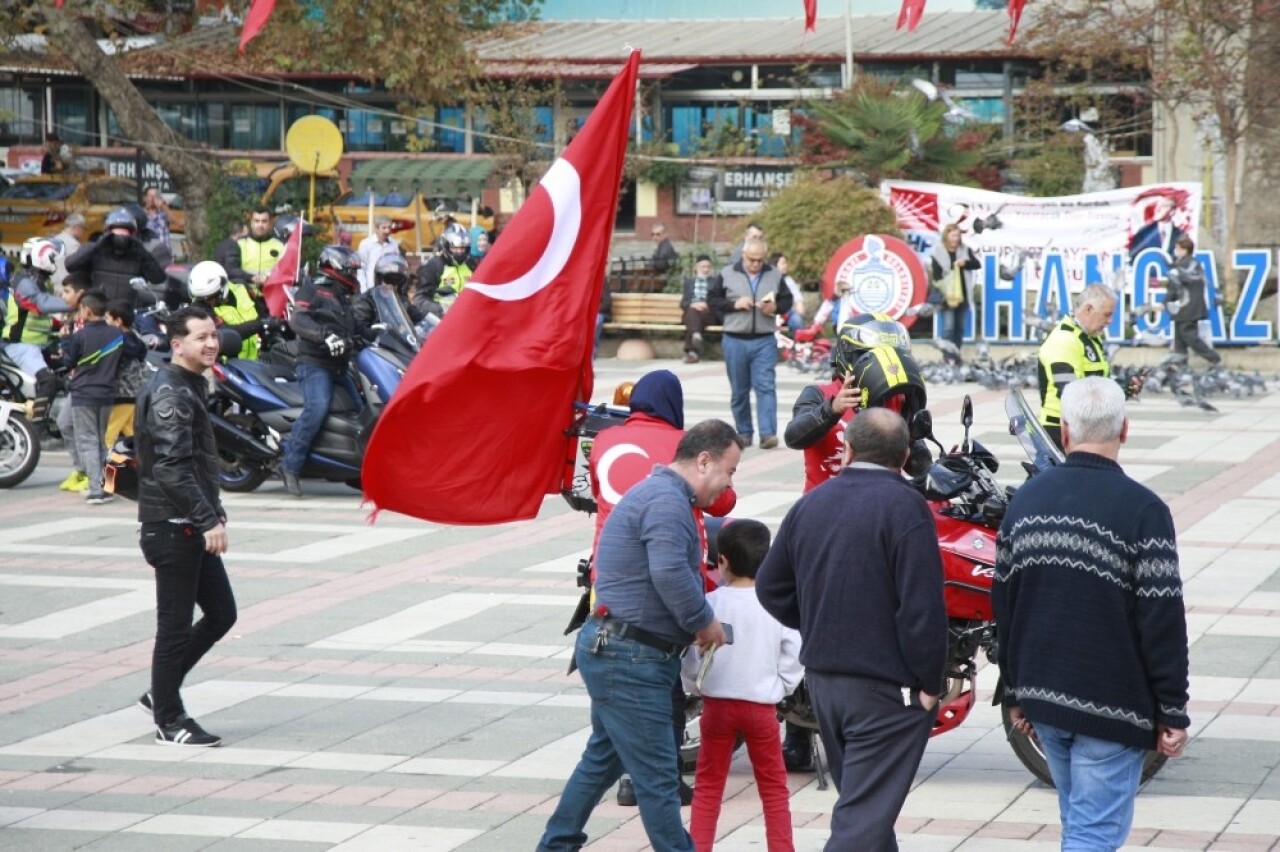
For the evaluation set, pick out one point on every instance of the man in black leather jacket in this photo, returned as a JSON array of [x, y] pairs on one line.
[[116, 258], [327, 336], [184, 531]]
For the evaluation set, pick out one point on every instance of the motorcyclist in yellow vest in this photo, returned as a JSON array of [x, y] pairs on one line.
[[259, 252], [452, 267], [230, 302], [1074, 350], [28, 312]]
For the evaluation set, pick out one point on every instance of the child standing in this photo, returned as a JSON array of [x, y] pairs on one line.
[[741, 689], [94, 354], [132, 376], [75, 285]]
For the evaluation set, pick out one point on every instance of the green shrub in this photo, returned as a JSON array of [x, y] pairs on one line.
[[808, 220]]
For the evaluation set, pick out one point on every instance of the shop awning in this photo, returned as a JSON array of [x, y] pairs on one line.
[[438, 177]]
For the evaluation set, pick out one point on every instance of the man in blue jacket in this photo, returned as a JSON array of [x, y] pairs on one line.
[[855, 568]]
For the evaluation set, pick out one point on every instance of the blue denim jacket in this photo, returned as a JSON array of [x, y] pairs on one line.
[[648, 561]]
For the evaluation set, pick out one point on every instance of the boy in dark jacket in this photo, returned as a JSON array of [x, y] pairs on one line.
[[93, 353]]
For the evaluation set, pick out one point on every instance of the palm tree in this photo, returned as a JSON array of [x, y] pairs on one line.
[[882, 131]]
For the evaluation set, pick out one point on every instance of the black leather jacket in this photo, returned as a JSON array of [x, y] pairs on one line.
[[177, 453], [111, 270], [322, 308]]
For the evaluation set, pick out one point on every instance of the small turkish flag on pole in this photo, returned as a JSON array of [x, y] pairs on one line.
[[910, 14], [284, 273], [259, 12], [476, 432], [1015, 15], [810, 15]]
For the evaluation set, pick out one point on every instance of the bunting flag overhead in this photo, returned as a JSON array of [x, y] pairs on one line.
[[910, 14], [810, 15], [476, 432], [1015, 15], [259, 12]]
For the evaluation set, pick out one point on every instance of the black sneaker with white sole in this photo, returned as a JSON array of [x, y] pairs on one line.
[[145, 705], [186, 732]]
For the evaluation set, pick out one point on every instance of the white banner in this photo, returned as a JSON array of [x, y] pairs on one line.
[[1093, 234]]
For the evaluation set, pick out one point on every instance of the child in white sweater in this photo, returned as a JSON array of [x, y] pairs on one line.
[[741, 690]]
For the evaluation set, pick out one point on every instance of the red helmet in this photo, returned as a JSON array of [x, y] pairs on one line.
[[340, 264]]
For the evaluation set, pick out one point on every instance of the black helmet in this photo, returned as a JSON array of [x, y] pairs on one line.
[[341, 264], [285, 224], [120, 218], [392, 269], [863, 332], [883, 373]]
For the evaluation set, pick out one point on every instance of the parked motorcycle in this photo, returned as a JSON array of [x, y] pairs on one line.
[[256, 403], [19, 444]]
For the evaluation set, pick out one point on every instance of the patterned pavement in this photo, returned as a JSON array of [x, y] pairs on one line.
[[403, 687]]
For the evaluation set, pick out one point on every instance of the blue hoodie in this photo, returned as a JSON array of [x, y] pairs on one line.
[[660, 395]]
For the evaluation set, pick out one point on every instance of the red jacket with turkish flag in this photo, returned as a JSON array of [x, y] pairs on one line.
[[626, 454]]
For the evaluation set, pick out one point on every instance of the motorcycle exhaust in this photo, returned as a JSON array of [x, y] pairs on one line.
[[240, 441]]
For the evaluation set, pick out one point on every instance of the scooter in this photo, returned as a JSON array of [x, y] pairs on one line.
[[256, 403]]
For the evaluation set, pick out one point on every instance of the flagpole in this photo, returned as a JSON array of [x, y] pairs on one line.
[[848, 45]]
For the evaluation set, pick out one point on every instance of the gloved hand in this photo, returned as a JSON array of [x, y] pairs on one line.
[[337, 345], [272, 325]]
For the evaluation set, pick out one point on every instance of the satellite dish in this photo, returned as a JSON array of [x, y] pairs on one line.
[[314, 144]]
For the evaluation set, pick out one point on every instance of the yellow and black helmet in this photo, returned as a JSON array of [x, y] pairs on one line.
[[888, 378], [866, 331]]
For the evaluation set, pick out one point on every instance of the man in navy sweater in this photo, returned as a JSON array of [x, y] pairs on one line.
[[1093, 634], [855, 567]]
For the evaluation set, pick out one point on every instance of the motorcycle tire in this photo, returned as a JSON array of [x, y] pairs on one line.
[[237, 475], [19, 450], [1032, 756]]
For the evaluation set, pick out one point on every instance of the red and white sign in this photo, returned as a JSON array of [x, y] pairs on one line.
[[875, 274]]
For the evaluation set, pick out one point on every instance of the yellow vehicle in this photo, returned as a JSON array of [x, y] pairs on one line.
[[38, 206], [420, 196]]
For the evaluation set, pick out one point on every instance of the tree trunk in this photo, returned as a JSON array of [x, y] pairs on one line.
[[178, 155], [1259, 214]]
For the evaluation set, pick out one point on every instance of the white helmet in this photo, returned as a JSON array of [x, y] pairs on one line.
[[207, 278], [41, 254]]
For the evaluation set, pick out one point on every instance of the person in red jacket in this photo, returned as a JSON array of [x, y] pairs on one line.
[[624, 455], [818, 421]]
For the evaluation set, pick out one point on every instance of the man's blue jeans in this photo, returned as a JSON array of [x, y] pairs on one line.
[[317, 392], [750, 362], [630, 687], [1097, 782]]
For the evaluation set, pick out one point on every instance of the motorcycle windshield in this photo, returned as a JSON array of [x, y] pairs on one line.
[[393, 316], [1025, 426]]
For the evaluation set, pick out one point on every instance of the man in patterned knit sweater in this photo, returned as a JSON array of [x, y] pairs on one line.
[[1093, 634]]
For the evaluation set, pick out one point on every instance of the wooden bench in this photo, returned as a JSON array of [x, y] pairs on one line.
[[651, 312]]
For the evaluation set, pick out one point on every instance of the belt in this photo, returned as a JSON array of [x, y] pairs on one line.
[[619, 628]]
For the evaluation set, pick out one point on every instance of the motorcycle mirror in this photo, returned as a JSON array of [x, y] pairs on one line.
[[229, 343], [966, 412], [446, 291], [921, 425]]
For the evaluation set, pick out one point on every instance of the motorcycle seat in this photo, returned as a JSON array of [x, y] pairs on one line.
[[284, 383]]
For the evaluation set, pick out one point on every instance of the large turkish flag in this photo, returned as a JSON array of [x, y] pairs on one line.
[[476, 433]]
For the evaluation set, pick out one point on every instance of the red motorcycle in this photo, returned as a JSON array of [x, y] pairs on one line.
[[968, 504]]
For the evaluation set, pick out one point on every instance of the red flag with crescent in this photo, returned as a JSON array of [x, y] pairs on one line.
[[810, 15], [284, 273], [910, 14], [259, 12], [476, 432]]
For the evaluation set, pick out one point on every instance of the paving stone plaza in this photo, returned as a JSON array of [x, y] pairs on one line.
[[402, 686]]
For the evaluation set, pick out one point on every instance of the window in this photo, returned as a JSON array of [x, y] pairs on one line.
[[38, 190], [256, 126], [73, 116], [21, 116], [112, 192]]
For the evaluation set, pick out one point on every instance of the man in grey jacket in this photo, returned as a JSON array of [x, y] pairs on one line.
[[750, 295]]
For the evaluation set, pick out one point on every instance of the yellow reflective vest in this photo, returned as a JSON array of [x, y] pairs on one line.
[[1067, 354], [238, 308], [259, 258]]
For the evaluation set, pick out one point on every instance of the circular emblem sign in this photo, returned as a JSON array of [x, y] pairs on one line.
[[876, 274]]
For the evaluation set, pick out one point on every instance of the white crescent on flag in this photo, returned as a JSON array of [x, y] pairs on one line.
[[563, 185], [611, 455]]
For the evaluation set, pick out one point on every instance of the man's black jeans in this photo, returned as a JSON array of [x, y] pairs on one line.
[[186, 576]]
